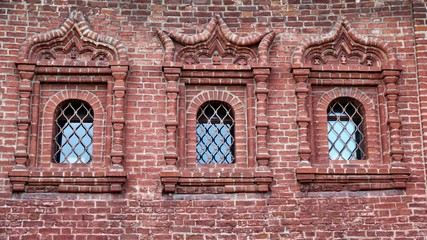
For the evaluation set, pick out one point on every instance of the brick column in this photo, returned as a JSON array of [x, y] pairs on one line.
[[261, 93], [171, 154], [119, 89], [170, 173], [23, 122], [19, 174], [303, 117], [393, 122]]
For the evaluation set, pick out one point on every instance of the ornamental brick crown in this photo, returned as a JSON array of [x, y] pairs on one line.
[[216, 45]]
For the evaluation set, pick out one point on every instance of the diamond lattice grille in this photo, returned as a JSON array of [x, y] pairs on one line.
[[73, 139], [215, 134], [345, 130]]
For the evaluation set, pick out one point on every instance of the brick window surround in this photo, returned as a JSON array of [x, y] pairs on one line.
[[216, 65], [344, 64], [70, 63]]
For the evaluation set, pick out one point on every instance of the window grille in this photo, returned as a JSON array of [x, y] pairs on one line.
[[345, 130], [215, 133], [74, 133]]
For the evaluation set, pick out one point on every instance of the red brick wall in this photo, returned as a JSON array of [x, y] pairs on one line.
[[141, 211]]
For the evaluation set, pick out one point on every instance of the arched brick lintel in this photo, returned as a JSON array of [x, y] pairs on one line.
[[299, 54], [75, 19], [335, 93], [65, 95], [213, 95]]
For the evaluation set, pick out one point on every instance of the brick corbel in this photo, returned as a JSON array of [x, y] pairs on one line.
[[351, 179], [227, 181]]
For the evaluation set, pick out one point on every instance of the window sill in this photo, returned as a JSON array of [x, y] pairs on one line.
[[190, 181], [351, 179], [35, 180]]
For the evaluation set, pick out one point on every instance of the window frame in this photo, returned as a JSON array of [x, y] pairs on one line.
[[341, 64], [242, 126], [90, 62], [374, 144], [197, 61], [47, 130], [181, 173]]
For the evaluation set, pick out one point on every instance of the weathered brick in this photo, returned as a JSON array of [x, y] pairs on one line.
[[290, 209]]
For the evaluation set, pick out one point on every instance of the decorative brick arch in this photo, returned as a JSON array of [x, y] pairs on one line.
[[55, 100], [73, 32], [72, 49], [335, 93], [205, 96], [216, 34], [369, 113], [343, 63], [47, 123], [239, 118], [343, 39], [214, 60]]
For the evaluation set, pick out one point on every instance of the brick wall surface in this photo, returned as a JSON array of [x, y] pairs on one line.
[[142, 210]]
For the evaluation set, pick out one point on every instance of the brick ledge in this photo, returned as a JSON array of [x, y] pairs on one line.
[[352, 179], [194, 181], [76, 182]]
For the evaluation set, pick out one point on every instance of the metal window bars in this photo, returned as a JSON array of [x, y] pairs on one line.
[[215, 134], [74, 133], [345, 130]]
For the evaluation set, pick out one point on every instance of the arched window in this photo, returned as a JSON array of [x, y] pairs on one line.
[[74, 132], [345, 129], [215, 133]]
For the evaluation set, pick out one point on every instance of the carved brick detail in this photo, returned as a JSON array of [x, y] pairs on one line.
[[74, 40], [75, 49], [344, 46], [343, 59], [216, 45], [202, 58]]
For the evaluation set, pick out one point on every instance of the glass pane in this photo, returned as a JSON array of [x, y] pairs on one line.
[[74, 133], [342, 140], [345, 130], [214, 143], [215, 134]]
